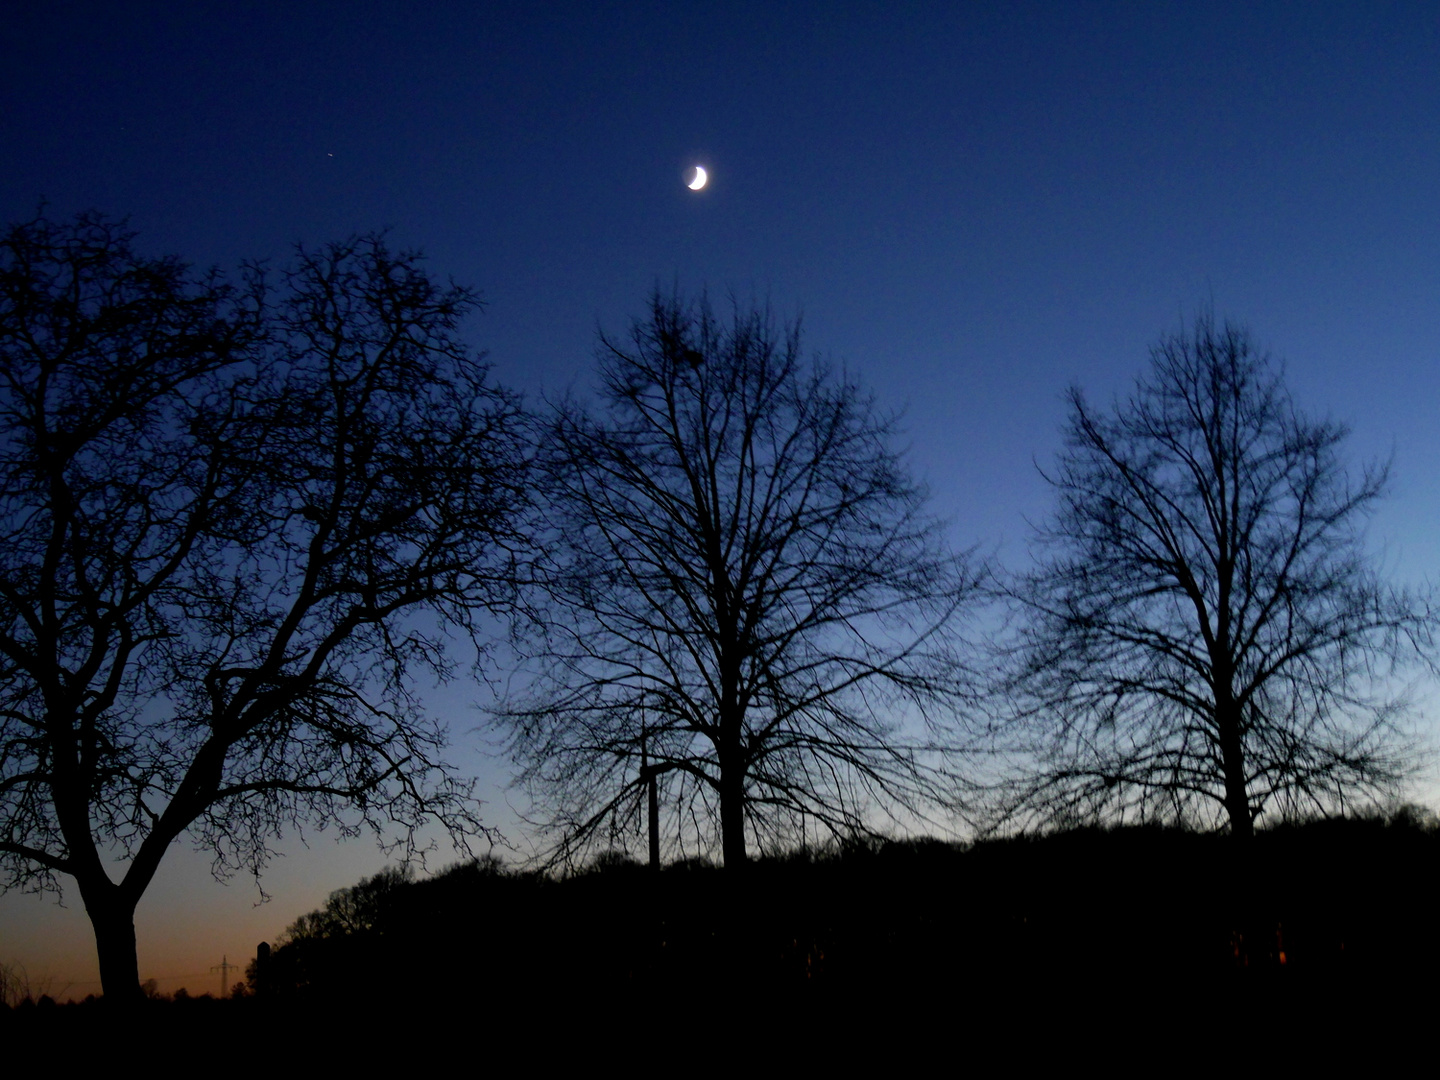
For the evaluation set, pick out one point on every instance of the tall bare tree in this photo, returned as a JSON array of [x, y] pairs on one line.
[[1205, 631], [750, 613], [234, 522]]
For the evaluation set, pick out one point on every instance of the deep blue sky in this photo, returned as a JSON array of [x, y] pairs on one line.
[[973, 206]]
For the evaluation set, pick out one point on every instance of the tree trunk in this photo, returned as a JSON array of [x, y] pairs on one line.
[[1242, 826], [111, 907], [1232, 756], [652, 798], [114, 922], [732, 823], [732, 807], [732, 771]]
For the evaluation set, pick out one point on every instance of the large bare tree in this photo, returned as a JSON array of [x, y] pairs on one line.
[[750, 615], [235, 521], [1204, 632]]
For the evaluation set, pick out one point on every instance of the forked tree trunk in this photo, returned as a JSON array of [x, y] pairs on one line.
[[111, 907]]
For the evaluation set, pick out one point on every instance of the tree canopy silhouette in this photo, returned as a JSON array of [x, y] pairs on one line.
[[748, 613], [237, 519], [1205, 631]]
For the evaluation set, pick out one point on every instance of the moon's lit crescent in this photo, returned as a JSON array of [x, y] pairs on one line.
[[700, 178]]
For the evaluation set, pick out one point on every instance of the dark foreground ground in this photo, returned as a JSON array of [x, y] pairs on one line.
[[1321, 942]]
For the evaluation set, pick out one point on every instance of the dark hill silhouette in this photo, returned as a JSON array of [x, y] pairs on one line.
[[1326, 900], [1083, 943]]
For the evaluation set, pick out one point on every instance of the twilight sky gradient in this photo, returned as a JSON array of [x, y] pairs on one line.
[[973, 205]]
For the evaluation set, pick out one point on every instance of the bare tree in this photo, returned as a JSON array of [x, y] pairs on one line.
[[16, 988], [1204, 629], [749, 612], [234, 526]]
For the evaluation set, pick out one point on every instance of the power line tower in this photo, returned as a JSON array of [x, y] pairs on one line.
[[225, 967]]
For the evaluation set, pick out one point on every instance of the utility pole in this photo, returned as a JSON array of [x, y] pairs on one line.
[[225, 967]]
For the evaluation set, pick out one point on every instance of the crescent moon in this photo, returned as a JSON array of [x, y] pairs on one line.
[[700, 179]]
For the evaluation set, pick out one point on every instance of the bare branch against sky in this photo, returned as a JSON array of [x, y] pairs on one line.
[[749, 606], [1204, 631], [220, 506]]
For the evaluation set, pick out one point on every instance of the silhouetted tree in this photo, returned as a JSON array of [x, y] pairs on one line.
[[235, 521], [15, 985], [747, 604], [358, 909], [1204, 627]]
